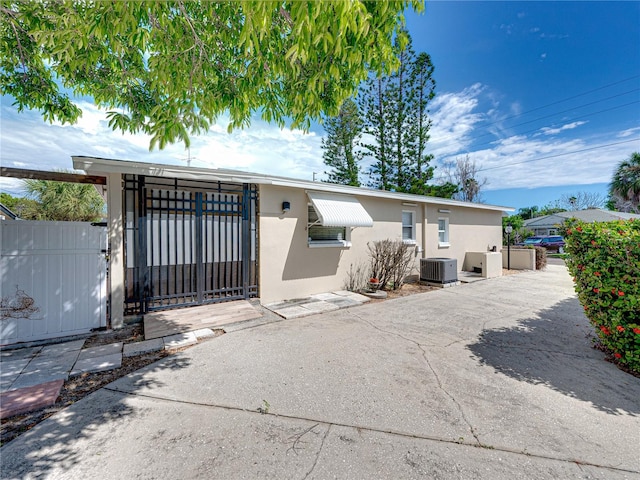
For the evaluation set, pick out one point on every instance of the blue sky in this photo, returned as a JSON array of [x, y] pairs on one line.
[[543, 96]]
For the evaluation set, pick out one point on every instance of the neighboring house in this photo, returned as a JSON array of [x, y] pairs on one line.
[[6, 213], [549, 224], [182, 236]]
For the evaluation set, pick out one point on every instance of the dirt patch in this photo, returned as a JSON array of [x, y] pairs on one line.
[[406, 289], [127, 334]]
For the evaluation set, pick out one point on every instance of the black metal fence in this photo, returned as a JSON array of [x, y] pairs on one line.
[[188, 242]]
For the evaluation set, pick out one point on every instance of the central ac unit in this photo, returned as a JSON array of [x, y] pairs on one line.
[[439, 270]]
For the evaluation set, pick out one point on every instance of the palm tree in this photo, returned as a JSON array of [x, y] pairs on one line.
[[624, 188], [77, 202]]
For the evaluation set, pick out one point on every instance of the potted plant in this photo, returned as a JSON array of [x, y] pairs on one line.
[[374, 283]]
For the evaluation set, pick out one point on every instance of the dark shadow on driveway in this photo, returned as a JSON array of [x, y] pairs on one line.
[[35, 455], [555, 349]]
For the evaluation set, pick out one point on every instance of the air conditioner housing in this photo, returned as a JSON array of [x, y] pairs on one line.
[[439, 270]]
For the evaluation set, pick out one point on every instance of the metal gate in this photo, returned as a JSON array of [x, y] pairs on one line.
[[188, 242]]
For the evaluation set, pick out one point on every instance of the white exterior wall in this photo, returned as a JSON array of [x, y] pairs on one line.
[[470, 230], [290, 269]]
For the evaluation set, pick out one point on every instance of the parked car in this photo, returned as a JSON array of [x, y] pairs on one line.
[[550, 242]]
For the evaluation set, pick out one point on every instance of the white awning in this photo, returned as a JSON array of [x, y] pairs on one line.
[[339, 210]]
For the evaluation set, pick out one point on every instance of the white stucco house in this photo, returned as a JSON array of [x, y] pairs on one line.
[[182, 236]]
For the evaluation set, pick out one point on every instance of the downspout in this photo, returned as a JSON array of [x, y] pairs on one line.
[[424, 230]]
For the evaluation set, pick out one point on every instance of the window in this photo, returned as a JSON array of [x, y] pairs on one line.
[[408, 227], [320, 236], [443, 232]]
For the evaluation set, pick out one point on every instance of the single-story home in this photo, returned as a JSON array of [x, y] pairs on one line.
[[181, 236], [549, 224]]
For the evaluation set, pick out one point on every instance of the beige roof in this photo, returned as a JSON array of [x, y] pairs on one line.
[[590, 215]]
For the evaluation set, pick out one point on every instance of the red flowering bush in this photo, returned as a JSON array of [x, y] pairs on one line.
[[604, 259]]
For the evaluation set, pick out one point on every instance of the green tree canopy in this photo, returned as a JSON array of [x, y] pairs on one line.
[[62, 201], [170, 68]]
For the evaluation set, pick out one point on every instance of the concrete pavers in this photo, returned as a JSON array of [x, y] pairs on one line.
[[146, 346], [9, 371], [61, 348], [100, 351], [97, 364], [204, 333], [321, 302], [488, 380], [180, 340], [15, 402]]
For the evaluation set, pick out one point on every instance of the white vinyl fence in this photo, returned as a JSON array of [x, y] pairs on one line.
[[52, 279]]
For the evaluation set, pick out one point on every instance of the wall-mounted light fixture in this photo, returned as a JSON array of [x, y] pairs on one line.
[[444, 210], [286, 206]]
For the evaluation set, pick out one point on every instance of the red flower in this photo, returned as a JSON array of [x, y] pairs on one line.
[[579, 229], [636, 330], [594, 243], [613, 290], [596, 290], [620, 293], [605, 330], [568, 231], [597, 274], [620, 328], [617, 355]]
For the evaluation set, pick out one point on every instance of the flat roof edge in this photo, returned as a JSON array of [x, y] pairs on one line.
[[104, 165]]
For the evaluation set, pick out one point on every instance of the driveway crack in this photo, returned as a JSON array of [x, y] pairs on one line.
[[435, 374], [315, 462]]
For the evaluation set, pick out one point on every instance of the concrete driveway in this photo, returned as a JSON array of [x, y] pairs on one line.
[[495, 380]]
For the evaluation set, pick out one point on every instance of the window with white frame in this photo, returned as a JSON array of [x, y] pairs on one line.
[[321, 236], [408, 226], [443, 232]]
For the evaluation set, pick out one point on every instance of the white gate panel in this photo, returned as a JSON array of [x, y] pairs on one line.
[[53, 279]]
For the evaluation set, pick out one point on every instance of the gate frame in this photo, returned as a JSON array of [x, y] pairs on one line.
[[135, 196]]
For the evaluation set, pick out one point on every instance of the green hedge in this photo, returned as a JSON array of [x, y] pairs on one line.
[[604, 259]]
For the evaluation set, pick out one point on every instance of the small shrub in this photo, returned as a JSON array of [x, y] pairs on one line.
[[605, 262], [356, 277], [390, 262], [541, 258]]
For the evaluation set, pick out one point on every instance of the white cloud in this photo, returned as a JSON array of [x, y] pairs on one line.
[[543, 56], [555, 131], [628, 132], [454, 118], [464, 122]]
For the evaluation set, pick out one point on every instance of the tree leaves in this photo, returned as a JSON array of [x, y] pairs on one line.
[[171, 68]]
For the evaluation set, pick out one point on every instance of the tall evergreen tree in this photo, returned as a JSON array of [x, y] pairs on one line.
[[424, 91], [374, 105], [341, 146], [395, 110]]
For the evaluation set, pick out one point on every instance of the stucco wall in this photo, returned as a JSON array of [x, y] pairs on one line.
[[470, 230], [290, 269]]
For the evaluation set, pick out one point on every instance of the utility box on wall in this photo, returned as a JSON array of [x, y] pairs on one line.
[[489, 264]]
